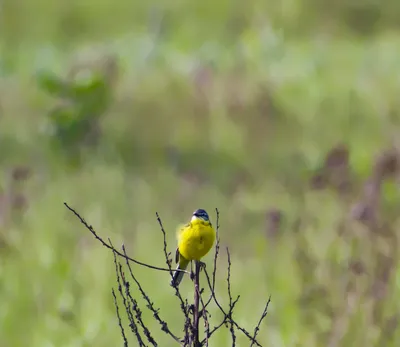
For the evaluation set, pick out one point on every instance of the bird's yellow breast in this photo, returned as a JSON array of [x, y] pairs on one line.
[[196, 239]]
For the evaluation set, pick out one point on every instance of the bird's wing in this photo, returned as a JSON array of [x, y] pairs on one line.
[[177, 254], [181, 229]]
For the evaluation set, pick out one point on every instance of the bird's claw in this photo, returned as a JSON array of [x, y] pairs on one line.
[[202, 265], [191, 308]]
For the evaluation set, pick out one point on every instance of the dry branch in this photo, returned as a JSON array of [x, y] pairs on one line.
[[192, 313]]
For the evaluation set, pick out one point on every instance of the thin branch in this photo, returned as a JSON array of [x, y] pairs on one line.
[[150, 304], [244, 331], [183, 305], [205, 314], [136, 309], [196, 306], [105, 244], [232, 303], [191, 327], [216, 250], [213, 296], [215, 258], [263, 315], [132, 323], [168, 260], [232, 328], [224, 321], [119, 319], [187, 327], [134, 306]]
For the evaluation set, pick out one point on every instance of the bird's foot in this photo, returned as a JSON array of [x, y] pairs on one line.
[[191, 309], [202, 265]]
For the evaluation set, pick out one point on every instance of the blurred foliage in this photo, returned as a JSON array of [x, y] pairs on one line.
[[82, 99], [284, 115]]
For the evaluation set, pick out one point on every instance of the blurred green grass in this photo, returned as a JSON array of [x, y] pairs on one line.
[[215, 105]]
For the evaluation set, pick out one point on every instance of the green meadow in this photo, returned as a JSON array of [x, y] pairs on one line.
[[283, 115]]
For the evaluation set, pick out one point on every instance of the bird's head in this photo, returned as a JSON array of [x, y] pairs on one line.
[[200, 214]]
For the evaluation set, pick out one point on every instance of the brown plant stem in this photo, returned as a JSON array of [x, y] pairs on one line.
[[196, 305]]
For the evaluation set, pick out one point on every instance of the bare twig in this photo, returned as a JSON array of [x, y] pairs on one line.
[[191, 337], [232, 327], [150, 304], [119, 319], [263, 315], [205, 319], [136, 309], [105, 244], [227, 315], [168, 260], [132, 323], [216, 250], [183, 305], [214, 272], [196, 306], [246, 333], [223, 322], [227, 319]]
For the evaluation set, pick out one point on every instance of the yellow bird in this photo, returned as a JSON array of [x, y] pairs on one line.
[[195, 240]]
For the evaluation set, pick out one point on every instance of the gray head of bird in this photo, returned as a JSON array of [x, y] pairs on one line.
[[200, 214]]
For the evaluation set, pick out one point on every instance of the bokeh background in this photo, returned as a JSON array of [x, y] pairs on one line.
[[282, 114]]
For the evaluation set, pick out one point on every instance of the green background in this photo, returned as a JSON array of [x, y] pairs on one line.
[[206, 104]]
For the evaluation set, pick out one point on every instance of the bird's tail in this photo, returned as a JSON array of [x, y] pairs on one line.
[[178, 275]]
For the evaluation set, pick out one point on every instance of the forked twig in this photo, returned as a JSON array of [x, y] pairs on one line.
[[191, 329]]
